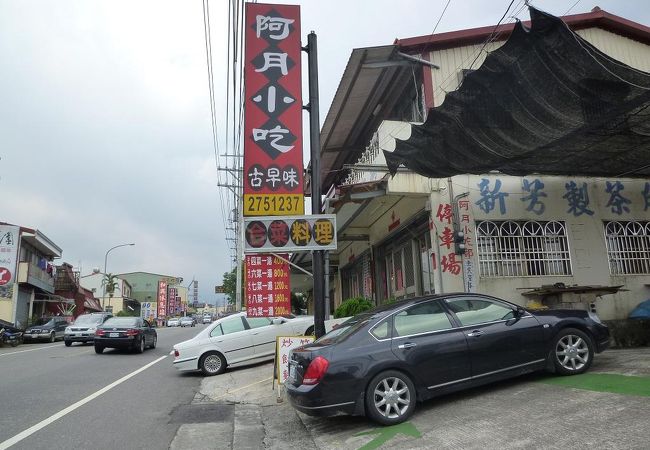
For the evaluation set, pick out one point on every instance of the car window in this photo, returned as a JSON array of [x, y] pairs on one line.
[[232, 325], [257, 322], [216, 331], [421, 318], [381, 330], [471, 311]]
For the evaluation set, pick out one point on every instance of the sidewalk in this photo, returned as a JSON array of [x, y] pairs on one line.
[[239, 410]]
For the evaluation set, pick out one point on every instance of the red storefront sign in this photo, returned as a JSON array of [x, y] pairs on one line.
[[273, 167], [162, 298], [267, 286], [172, 301]]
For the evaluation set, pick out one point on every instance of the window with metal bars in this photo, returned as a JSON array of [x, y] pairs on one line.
[[628, 247], [522, 249]]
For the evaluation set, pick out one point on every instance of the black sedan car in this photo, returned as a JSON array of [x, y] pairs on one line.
[[382, 362], [132, 333]]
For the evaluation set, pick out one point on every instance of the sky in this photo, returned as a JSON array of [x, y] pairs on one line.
[[105, 126]]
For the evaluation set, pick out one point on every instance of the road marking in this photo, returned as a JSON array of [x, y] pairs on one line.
[[42, 424], [236, 390], [31, 350]]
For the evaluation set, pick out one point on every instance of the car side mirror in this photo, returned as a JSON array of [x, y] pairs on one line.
[[520, 312], [278, 321]]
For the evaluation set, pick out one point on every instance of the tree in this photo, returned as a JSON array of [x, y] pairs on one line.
[[110, 284], [230, 285]]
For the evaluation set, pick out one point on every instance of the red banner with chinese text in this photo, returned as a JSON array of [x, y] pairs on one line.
[[267, 286], [273, 170], [162, 299]]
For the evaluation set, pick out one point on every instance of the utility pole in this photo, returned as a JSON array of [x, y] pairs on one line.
[[316, 203]]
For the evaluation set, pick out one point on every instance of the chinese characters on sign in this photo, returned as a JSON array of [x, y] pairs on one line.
[[576, 196], [316, 232], [268, 292], [162, 298], [171, 300], [273, 167], [8, 258], [284, 346]]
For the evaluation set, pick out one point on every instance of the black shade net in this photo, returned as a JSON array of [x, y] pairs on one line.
[[545, 102]]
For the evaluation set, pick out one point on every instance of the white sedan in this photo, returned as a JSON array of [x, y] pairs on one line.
[[237, 339]]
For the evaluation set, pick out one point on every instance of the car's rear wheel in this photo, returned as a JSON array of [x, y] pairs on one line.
[[390, 398], [99, 349], [573, 352], [141, 345], [212, 364], [68, 343]]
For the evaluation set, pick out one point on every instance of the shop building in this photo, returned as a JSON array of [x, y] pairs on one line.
[[571, 241]]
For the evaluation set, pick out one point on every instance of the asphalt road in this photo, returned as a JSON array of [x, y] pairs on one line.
[[52, 396]]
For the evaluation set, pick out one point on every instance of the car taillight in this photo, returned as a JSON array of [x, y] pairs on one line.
[[176, 354], [316, 370], [132, 332], [99, 333]]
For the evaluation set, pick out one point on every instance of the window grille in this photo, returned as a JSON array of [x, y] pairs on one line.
[[522, 249], [628, 247]]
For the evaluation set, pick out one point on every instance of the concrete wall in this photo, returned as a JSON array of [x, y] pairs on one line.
[[585, 232]]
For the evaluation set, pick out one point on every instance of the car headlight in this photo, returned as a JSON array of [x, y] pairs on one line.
[[593, 316]]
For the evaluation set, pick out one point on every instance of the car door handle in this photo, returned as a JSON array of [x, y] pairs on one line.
[[475, 333], [407, 345]]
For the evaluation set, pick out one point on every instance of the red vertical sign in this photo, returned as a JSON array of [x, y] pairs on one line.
[[162, 299], [267, 286], [273, 168]]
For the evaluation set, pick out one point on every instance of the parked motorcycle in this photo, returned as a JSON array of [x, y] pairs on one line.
[[10, 335]]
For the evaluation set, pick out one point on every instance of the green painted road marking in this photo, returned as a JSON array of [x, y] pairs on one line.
[[385, 434], [605, 382]]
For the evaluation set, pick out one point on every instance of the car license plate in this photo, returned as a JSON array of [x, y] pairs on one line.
[[113, 334]]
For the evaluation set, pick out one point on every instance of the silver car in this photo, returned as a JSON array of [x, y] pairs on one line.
[[174, 322], [84, 327], [187, 321]]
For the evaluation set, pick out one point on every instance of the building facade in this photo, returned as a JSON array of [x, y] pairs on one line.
[[27, 274], [560, 241]]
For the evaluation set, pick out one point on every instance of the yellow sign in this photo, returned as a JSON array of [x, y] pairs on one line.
[[274, 204]]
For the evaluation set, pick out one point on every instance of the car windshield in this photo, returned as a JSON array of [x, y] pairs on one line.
[[346, 329], [44, 321], [88, 320], [121, 322]]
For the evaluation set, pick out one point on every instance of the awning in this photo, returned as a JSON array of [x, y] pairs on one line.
[[545, 102]]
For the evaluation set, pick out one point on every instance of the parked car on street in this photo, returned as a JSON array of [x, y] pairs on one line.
[[174, 322], [187, 321], [132, 333], [84, 327], [237, 339], [46, 329], [380, 363], [207, 319]]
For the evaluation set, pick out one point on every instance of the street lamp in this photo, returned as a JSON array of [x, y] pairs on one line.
[[105, 261]]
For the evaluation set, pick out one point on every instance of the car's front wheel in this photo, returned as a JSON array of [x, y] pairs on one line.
[[154, 341], [390, 398], [52, 337], [212, 364], [68, 343], [573, 352], [99, 349]]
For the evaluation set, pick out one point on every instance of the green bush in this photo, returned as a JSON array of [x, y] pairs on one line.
[[353, 306], [125, 313]]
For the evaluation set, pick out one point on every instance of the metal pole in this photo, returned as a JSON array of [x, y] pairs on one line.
[[105, 261], [316, 203]]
